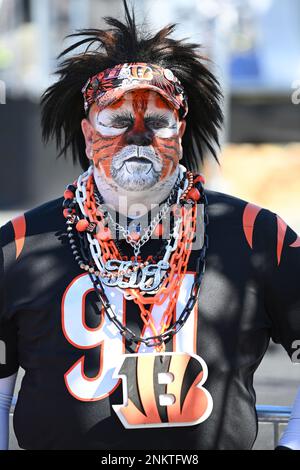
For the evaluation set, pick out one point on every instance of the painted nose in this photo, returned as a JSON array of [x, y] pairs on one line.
[[139, 138]]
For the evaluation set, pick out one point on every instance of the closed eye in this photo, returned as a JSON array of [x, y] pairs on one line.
[[112, 130], [121, 120], [157, 121], [156, 124], [121, 124], [117, 125], [118, 121]]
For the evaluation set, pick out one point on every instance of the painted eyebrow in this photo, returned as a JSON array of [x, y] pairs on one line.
[[115, 117], [156, 116], [128, 116], [123, 115], [163, 118]]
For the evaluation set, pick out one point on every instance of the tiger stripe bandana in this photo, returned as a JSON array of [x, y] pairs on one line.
[[110, 85]]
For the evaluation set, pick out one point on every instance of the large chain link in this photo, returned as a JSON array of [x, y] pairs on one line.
[[155, 341], [148, 231], [95, 250]]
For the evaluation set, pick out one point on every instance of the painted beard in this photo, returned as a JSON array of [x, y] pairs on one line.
[[136, 168]]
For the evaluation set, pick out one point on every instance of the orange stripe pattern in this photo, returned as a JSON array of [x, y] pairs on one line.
[[19, 225], [251, 211], [296, 243], [281, 231]]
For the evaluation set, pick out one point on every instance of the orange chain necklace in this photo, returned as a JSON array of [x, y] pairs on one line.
[[170, 287]]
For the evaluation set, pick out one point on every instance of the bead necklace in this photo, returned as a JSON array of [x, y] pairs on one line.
[[105, 249], [156, 292], [135, 239]]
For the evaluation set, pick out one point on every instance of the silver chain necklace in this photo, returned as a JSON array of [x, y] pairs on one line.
[[141, 275], [148, 231]]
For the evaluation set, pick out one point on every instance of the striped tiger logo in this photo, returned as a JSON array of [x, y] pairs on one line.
[[163, 389], [141, 72]]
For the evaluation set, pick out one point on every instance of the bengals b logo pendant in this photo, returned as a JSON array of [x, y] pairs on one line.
[[163, 389]]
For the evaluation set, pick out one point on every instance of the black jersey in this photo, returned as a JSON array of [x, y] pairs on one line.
[[84, 388]]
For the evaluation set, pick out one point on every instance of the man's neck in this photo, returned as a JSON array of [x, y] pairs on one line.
[[134, 204]]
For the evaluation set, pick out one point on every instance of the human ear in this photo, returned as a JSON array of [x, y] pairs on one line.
[[182, 126], [88, 131]]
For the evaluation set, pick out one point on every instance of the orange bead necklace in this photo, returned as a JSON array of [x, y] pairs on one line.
[[92, 225]]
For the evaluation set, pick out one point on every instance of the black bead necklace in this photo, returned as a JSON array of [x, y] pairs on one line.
[[80, 249]]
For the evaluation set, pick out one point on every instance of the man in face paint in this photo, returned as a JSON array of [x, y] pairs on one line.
[[135, 145]]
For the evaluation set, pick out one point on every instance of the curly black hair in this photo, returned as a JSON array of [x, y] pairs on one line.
[[62, 102]]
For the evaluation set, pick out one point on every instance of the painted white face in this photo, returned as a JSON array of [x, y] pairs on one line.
[[114, 121], [137, 140]]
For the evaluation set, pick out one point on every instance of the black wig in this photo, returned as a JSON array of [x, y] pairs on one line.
[[62, 103]]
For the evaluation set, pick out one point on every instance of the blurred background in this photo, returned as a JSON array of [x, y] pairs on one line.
[[255, 48]]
